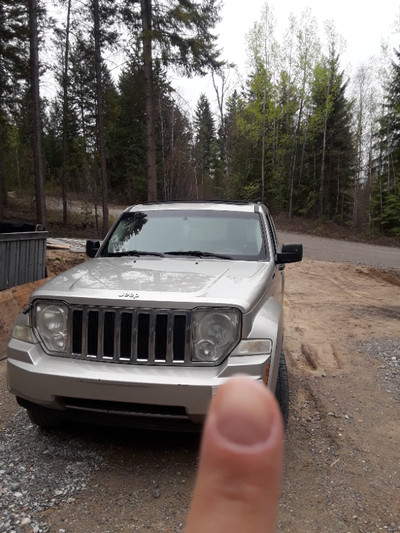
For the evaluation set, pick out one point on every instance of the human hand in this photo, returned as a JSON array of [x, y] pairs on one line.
[[238, 483]]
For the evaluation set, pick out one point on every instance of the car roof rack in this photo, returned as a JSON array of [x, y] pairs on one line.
[[229, 202]]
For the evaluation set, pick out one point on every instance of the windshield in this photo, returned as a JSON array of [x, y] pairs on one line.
[[221, 234]]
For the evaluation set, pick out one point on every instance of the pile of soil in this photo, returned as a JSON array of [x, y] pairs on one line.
[[58, 261]]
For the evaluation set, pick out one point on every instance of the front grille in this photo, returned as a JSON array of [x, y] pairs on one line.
[[123, 335]]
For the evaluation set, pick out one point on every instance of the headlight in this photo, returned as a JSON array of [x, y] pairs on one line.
[[51, 321], [215, 334]]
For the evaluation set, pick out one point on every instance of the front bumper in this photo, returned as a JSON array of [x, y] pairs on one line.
[[152, 394]]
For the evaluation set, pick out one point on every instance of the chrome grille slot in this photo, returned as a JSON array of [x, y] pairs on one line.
[[92, 336], [143, 333], [141, 336]]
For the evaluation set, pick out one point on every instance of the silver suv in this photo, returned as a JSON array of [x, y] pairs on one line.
[[179, 297]]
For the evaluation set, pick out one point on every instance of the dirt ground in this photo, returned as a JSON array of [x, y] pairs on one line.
[[342, 470]]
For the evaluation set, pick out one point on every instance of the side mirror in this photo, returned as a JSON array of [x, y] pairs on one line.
[[92, 247], [291, 253]]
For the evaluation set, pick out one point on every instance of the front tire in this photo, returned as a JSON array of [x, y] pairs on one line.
[[282, 389]]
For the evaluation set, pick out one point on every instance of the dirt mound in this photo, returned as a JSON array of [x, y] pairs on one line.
[[57, 261]]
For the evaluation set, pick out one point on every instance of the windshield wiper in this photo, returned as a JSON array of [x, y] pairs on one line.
[[198, 253], [134, 253]]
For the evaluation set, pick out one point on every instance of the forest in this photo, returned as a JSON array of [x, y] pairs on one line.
[[298, 133]]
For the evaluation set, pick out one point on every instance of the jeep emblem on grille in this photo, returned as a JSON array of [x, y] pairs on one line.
[[130, 295]]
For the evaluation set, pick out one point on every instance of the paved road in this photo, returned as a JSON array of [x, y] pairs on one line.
[[324, 249]]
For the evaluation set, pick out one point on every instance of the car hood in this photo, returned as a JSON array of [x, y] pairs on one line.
[[177, 282]]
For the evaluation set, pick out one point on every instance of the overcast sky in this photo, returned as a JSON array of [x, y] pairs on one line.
[[361, 24]]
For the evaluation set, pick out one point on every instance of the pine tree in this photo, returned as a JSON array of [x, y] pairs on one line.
[[178, 34], [331, 152], [239, 147], [127, 147], [205, 143], [386, 186], [14, 57]]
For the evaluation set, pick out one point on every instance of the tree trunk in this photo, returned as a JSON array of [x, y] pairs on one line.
[[166, 185], [224, 134], [65, 120], [263, 147], [100, 115], [295, 148], [322, 174], [36, 125], [2, 177], [370, 164], [3, 190], [146, 11]]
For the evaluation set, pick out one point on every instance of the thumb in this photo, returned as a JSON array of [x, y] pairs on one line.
[[238, 483]]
